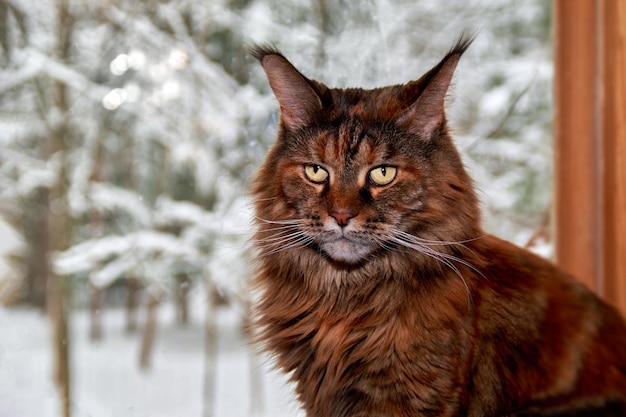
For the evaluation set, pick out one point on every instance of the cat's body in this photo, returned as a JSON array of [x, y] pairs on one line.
[[380, 291]]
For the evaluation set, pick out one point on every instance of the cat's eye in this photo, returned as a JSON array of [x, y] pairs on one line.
[[383, 175], [315, 173]]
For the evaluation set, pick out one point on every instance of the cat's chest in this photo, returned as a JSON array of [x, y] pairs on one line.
[[398, 361]]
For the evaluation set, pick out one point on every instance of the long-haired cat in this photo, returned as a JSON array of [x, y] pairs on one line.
[[378, 289]]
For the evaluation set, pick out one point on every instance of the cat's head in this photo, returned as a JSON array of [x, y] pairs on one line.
[[361, 174]]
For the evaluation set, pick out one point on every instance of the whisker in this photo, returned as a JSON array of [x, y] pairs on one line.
[[423, 248], [444, 258], [411, 239], [278, 228], [293, 222], [276, 240], [383, 244], [300, 241], [432, 241], [281, 235], [283, 240], [277, 237]]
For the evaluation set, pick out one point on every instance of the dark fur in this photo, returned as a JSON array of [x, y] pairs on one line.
[[497, 331]]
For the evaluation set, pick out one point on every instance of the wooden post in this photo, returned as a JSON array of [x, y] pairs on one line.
[[613, 130], [590, 144], [575, 146]]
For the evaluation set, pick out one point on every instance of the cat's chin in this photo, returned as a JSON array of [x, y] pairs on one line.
[[346, 251]]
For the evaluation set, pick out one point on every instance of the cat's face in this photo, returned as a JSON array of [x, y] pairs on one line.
[[352, 188], [356, 174]]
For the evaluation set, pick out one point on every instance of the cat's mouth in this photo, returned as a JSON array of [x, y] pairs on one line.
[[344, 249]]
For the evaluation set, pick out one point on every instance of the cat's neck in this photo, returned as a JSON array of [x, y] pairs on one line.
[[325, 282]]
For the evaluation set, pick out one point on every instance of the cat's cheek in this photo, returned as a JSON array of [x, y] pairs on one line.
[[296, 191], [403, 198]]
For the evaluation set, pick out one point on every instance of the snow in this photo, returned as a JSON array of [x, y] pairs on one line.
[[11, 243], [113, 257], [25, 366], [107, 381], [108, 197]]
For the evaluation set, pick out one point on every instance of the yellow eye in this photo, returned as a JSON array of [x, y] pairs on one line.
[[383, 175], [315, 173]]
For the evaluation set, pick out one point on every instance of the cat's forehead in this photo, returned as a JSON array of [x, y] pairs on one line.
[[374, 105], [353, 142]]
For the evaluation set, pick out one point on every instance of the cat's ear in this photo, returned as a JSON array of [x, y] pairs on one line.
[[426, 114], [299, 102]]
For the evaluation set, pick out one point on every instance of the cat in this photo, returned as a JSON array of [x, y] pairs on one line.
[[377, 288]]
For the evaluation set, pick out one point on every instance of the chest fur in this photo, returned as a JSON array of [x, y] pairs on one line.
[[362, 361]]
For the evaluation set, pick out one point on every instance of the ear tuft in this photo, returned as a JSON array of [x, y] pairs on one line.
[[427, 112], [299, 102], [259, 51], [464, 42]]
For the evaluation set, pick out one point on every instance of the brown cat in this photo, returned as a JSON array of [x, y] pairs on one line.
[[378, 289]]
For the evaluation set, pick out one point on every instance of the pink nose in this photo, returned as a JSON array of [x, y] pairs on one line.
[[343, 216]]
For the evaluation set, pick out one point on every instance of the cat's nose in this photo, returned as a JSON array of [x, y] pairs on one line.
[[343, 216]]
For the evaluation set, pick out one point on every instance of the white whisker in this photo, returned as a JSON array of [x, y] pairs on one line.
[[292, 222], [460, 243], [284, 236], [278, 228], [444, 259], [295, 242], [414, 243], [411, 237], [428, 248]]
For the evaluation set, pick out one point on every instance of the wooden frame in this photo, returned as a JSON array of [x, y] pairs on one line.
[[590, 143]]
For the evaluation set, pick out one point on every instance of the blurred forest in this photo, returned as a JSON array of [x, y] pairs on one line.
[[130, 129]]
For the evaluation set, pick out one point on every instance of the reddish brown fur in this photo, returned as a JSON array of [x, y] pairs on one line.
[[396, 332]]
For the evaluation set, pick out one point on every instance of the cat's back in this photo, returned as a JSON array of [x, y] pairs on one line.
[[541, 333]]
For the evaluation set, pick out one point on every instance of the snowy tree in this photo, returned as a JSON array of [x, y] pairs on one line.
[[152, 119], [135, 158]]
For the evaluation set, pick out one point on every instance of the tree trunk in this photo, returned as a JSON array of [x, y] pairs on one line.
[[59, 291], [96, 303], [132, 303], [210, 349], [35, 229], [60, 224], [256, 375], [183, 284], [149, 331]]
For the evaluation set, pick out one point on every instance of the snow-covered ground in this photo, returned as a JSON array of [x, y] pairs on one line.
[[107, 381]]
